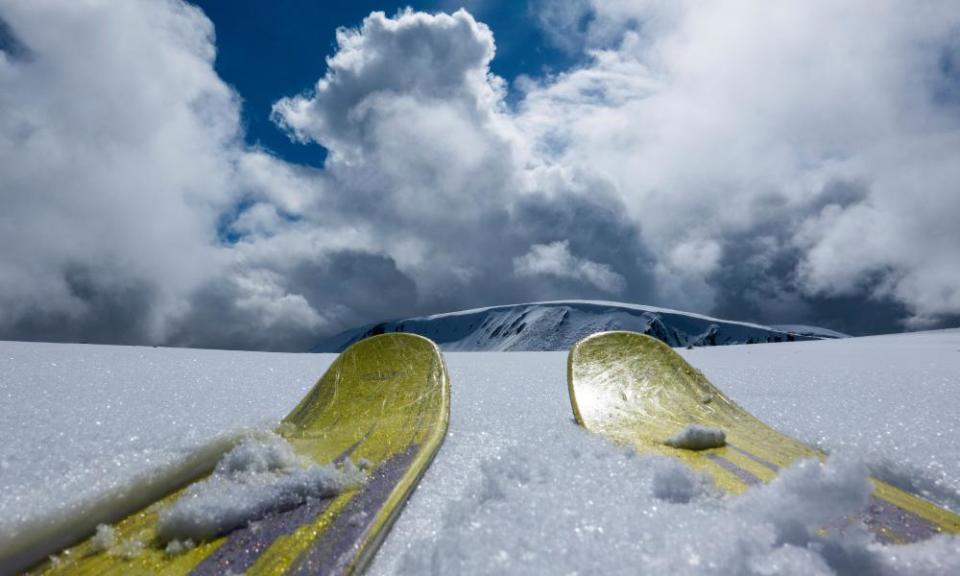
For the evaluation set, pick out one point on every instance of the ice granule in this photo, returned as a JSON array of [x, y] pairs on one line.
[[176, 547], [675, 482], [104, 539]]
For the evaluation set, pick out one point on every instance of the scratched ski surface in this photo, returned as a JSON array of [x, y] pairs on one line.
[[637, 391], [384, 403]]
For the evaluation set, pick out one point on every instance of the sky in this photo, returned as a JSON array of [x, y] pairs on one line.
[[263, 175]]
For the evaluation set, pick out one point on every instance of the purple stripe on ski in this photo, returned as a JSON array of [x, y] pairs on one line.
[[245, 545], [888, 521], [744, 475], [333, 550], [757, 459], [881, 516]]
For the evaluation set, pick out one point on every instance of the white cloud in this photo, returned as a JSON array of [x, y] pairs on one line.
[[721, 157], [429, 59], [556, 260], [716, 120], [425, 155], [117, 142]]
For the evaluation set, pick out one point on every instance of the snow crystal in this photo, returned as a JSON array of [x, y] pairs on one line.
[[675, 482], [127, 549], [696, 437], [175, 547], [104, 539], [269, 453], [258, 477]]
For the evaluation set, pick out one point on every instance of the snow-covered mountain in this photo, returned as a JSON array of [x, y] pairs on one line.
[[813, 331], [545, 326]]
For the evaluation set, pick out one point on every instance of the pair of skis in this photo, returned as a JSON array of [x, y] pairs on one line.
[[384, 405]]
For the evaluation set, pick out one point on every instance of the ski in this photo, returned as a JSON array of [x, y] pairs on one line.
[[637, 391], [378, 415]]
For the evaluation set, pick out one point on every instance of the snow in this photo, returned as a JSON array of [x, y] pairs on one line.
[[557, 325], [262, 475], [105, 540], [175, 547], [518, 487], [82, 424], [673, 482], [695, 437], [596, 303], [105, 537], [809, 330]]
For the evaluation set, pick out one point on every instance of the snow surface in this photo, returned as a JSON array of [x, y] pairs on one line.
[[517, 486], [805, 330], [81, 424]]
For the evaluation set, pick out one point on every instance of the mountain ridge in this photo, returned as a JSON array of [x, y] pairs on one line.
[[558, 324]]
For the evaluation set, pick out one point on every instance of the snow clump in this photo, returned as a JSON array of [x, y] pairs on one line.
[[549, 509], [260, 476], [696, 437], [675, 482], [104, 539]]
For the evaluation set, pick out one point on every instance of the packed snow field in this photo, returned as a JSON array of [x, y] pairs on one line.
[[81, 424], [517, 486]]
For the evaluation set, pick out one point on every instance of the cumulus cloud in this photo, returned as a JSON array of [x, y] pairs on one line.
[[414, 59], [555, 259], [427, 158], [728, 129], [789, 164], [117, 141]]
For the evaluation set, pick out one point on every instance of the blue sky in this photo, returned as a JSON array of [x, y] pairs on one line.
[[235, 175], [268, 50]]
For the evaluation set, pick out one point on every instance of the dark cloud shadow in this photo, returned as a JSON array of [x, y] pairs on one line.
[[108, 308], [11, 43]]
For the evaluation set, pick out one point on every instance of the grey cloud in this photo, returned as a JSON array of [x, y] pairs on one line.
[[369, 285], [105, 308], [759, 276], [12, 46], [274, 305], [758, 273], [726, 131], [595, 228], [250, 311], [117, 143]]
